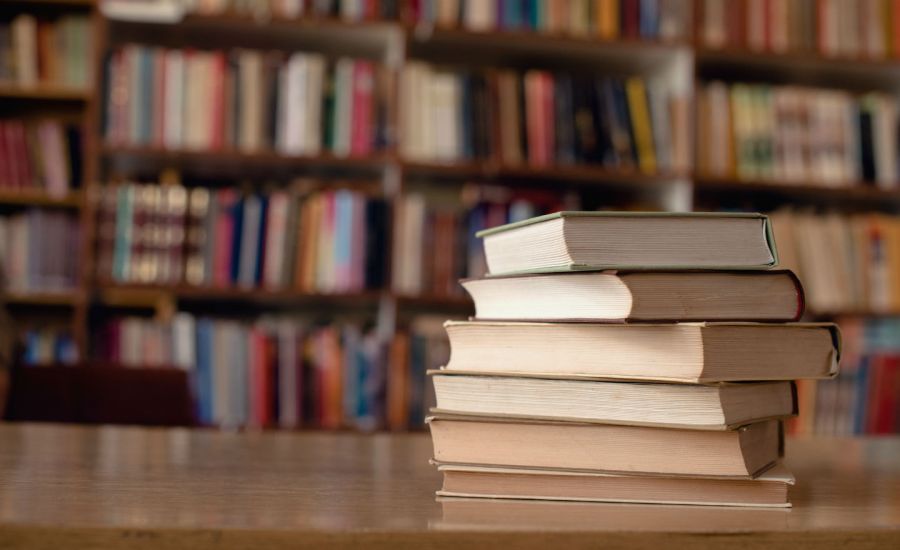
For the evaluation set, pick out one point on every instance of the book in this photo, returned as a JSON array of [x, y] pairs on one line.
[[244, 100], [640, 296], [683, 352], [572, 241], [605, 19], [797, 134], [768, 489], [473, 514], [37, 251], [743, 453], [715, 407]]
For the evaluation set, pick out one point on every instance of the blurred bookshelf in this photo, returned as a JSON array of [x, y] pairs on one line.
[[399, 128]]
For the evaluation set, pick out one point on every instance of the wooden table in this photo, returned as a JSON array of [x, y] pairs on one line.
[[87, 487]]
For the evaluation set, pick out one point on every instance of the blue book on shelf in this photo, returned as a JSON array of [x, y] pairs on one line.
[[261, 239], [147, 86], [237, 214], [32, 347], [203, 374], [531, 18], [649, 18], [124, 230], [238, 378]]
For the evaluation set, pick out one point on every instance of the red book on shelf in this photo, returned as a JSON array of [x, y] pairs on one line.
[[630, 18], [895, 28], [217, 104], [15, 136], [361, 118], [6, 179], [767, 24], [257, 376], [874, 394], [887, 390], [226, 199]]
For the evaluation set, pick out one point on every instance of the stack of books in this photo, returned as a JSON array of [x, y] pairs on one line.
[[634, 357]]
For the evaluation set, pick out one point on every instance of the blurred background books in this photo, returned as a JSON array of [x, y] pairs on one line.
[[302, 179]]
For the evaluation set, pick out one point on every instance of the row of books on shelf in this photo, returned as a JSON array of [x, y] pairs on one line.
[[604, 19], [789, 133], [286, 372], [348, 10], [321, 241], [847, 263], [868, 28], [38, 250], [246, 100], [541, 119], [45, 52], [865, 396], [40, 154], [47, 346], [424, 224]]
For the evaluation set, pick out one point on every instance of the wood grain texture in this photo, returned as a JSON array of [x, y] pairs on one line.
[[107, 487]]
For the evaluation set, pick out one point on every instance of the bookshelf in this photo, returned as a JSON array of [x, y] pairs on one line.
[[682, 64]]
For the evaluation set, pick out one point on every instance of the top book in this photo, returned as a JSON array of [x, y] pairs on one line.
[[573, 241]]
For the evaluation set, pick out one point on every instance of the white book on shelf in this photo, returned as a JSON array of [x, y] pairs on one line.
[[184, 353], [293, 98], [480, 15], [414, 111], [445, 96], [173, 119], [312, 108], [343, 106], [885, 137], [250, 109], [157, 11], [195, 101], [24, 49]]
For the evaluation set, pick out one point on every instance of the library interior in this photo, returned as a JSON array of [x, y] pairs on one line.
[[233, 235]]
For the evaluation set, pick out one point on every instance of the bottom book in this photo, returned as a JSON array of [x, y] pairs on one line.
[[769, 489], [541, 516]]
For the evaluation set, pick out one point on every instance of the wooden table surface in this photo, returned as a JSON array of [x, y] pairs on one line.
[[109, 487]]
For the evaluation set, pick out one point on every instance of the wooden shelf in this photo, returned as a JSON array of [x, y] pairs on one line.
[[139, 295], [425, 41], [43, 92], [65, 298], [855, 193], [810, 68], [24, 4], [434, 301], [577, 174], [229, 160], [39, 197]]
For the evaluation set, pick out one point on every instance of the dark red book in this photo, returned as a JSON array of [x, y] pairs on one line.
[[6, 179], [226, 200], [217, 104], [630, 18], [361, 118]]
